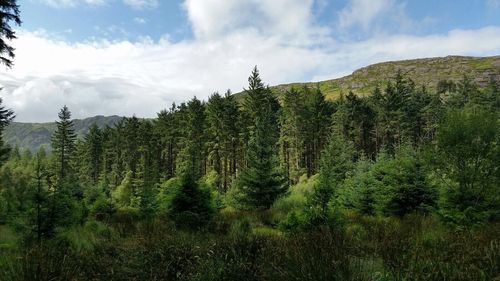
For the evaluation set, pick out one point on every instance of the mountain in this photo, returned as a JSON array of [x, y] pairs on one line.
[[34, 135], [428, 71]]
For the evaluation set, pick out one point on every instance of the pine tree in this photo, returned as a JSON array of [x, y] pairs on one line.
[[40, 227], [217, 135], [6, 116], [222, 115], [293, 135], [93, 153], [63, 143], [168, 125], [336, 163], [9, 12], [260, 181], [318, 121], [192, 155], [191, 206], [468, 153], [131, 138]]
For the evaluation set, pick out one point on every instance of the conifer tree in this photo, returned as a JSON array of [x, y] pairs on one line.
[[192, 155], [9, 12], [260, 181], [191, 206], [6, 116], [131, 138], [318, 121], [336, 163], [93, 153], [293, 135], [223, 136], [63, 143]]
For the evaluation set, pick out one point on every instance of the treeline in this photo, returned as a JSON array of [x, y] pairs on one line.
[[401, 150]]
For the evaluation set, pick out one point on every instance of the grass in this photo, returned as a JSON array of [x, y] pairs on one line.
[[8, 239], [368, 248]]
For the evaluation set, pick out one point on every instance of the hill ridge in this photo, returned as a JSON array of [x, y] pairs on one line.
[[426, 71]]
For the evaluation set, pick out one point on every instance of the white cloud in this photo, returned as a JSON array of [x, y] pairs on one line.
[[378, 17], [494, 3], [140, 20], [363, 12], [72, 3], [136, 4], [290, 20], [125, 78], [142, 4]]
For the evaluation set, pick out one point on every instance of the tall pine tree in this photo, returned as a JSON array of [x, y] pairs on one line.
[[260, 181], [63, 143]]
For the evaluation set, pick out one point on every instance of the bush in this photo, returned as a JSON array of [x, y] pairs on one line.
[[102, 208], [191, 205], [296, 197]]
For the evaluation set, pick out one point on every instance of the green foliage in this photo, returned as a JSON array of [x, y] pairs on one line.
[[396, 185], [6, 117], [296, 197], [261, 181], [3, 209], [120, 207], [63, 143], [191, 206], [124, 193], [223, 116], [10, 14], [468, 158], [337, 162]]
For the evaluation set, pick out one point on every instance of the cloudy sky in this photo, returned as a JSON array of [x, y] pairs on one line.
[[129, 57]]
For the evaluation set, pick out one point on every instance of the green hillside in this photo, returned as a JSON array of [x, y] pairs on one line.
[[34, 135], [428, 71]]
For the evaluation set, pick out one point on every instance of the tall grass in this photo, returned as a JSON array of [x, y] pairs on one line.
[[369, 248]]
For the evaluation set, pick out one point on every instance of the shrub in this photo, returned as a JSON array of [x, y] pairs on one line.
[[191, 205]]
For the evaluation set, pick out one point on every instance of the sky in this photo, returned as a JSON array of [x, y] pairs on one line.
[[137, 57]]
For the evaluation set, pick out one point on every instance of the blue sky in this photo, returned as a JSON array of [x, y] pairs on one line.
[[78, 21], [138, 56]]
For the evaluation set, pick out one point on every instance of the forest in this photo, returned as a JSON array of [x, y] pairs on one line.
[[398, 185]]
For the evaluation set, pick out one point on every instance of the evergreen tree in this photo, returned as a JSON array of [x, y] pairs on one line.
[[260, 181], [191, 205], [336, 163], [355, 119], [293, 135], [192, 156], [63, 143], [468, 159], [217, 135], [6, 116], [40, 199], [9, 12], [168, 125], [93, 153], [405, 184], [318, 120], [131, 137], [223, 140]]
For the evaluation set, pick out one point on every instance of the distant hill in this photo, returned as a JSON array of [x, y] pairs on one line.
[[428, 71], [34, 135]]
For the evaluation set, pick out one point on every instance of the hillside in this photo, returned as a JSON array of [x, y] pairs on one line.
[[428, 71], [34, 135]]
